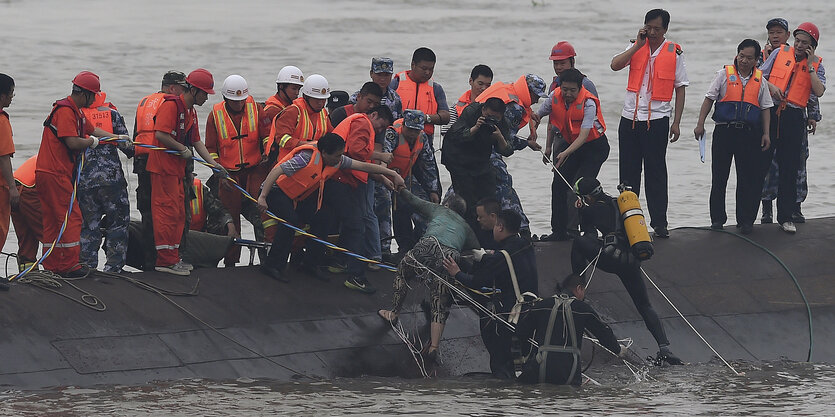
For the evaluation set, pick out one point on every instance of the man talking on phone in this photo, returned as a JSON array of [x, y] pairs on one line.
[[656, 70]]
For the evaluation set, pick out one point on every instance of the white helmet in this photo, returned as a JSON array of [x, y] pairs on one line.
[[235, 88], [290, 75], [316, 86]]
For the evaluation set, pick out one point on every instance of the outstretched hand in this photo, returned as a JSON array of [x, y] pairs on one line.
[[451, 266]]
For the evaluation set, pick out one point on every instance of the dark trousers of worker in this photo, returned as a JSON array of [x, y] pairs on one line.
[[232, 198], [297, 214], [742, 145], [584, 162], [340, 206], [169, 215], [646, 149], [473, 187], [143, 204], [27, 224], [583, 251], [498, 340], [787, 132], [55, 192]]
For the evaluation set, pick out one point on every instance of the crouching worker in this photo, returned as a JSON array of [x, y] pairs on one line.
[[447, 235], [511, 269], [293, 192], [557, 324], [601, 212]]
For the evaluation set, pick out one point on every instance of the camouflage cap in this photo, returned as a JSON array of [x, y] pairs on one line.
[[414, 119], [174, 78], [778, 21], [537, 85], [382, 65]]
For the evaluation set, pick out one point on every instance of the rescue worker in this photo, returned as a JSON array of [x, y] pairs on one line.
[[481, 128], [66, 133], [481, 77], [235, 131], [295, 191], [511, 268], [656, 70], [577, 116], [791, 84], [741, 134], [103, 191], [447, 235], [9, 195], [208, 213], [289, 81], [367, 99], [27, 218], [600, 213], [358, 228], [419, 91], [563, 57], [173, 83], [557, 325], [778, 35], [306, 120], [382, 69], [176, 128], [413, 160]]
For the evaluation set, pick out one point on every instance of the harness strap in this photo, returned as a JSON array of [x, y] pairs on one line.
[[546, 347], [517, 308]]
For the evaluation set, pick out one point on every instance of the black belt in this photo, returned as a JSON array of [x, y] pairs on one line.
[[735, 125]]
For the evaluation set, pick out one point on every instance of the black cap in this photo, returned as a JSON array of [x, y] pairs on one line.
[[587, 186], [174, 78], [778, 21], [337, 99]]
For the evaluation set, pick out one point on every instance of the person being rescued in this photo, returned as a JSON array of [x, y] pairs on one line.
[[511, 268], [557, 324]]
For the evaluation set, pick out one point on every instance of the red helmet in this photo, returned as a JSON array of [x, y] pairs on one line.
[[202, 79], [809, 28], [562, 50], [87, 81]]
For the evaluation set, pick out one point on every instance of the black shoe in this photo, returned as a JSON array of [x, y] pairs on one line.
[[746, 229], [666, 356], [315, 272], [80, 272], [717, 226], [393, 258], [797, 216], [274, 274], [767, 217], [554, 237], [662, 232], [360, 284]]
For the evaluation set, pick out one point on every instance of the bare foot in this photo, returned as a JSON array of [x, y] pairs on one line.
[[387, 315]]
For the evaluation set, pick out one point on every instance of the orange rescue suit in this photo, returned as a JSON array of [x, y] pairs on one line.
[[789, 74], [237, 149], [510, 93], [418, 96], [569, 120], [198, 213], [309, 127]]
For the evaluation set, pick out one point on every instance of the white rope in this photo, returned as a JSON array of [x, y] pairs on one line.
[[593, 261]]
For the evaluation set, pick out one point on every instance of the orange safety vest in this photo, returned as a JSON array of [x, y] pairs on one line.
[[463, 102], [100, 117], [198, 212], [569, 120], [25, 174], [404, 155], [418, 96], [273, 101], [308, 179], [789, 74], [510, 93], [309, 128], [741, 103], [145, 113], [662, 77], [343, 130], [237, 150]]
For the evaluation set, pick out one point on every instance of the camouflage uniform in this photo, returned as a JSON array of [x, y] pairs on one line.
[[102, 192]]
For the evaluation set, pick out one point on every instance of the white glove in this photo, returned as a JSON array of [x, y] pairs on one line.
[[95, 142], [478, 253]]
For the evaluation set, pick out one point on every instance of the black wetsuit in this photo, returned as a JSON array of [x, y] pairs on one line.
[[603, 216], [493, 271], [559, 365]]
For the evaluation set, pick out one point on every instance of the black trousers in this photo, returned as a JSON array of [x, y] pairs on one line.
[[339, 209], [584, 249], [585, 162], [143, 204], [473, 187], [787, 132], [742, 145], [498, 340], [298, 215], [641, 148]]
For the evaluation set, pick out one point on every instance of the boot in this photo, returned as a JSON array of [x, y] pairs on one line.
[[767, 216]]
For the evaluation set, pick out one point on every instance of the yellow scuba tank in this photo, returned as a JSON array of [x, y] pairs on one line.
[[635, 227]]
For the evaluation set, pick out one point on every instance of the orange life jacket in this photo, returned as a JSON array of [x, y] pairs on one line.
[[789, 74], [510, 93], [404, 155], [418, 96], [569, 120], [344, 131], [309, 127], [25, 174], [100, 117], [308, 179], [740, 103], [237, 150], [274, 101], [145, 113], [198, 212], [463, 102], [663, 73]]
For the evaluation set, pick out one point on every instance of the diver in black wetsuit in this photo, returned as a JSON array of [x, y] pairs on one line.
[[602, 214], [557, 324]]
